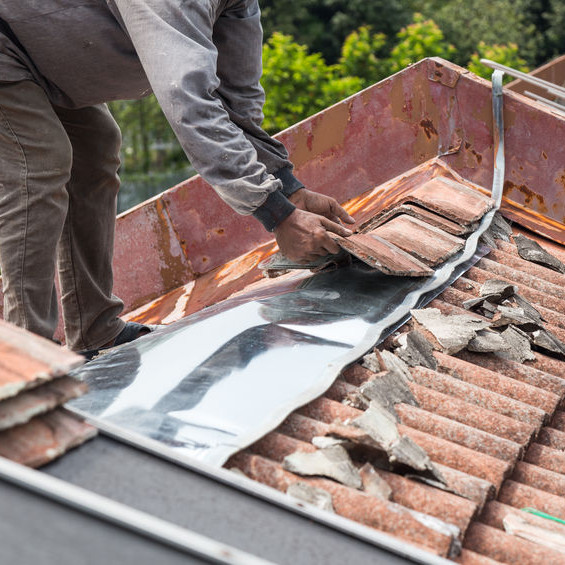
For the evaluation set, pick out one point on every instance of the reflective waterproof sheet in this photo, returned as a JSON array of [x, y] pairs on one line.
[[215, 382]]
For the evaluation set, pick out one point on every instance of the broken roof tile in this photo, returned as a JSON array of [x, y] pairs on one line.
[[473, 417], [531, 250], [430, 218], [383, 255], [26, 405], [27, 360], [450, 333], [451, 199], [427, 243], [44, 438]]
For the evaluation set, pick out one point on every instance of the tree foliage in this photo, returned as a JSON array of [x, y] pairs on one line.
[[421, 39], [505, 54], [465, 23], [362, 55], [297, 83], [323, 25], [317, 52]]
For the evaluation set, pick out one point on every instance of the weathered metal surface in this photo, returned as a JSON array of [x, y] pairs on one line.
[[553, 71], [149, 258]]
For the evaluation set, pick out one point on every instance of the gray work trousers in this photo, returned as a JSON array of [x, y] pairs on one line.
[[58, 191]]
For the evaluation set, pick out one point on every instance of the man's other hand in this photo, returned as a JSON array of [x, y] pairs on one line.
[[304, 236], [320, 204]]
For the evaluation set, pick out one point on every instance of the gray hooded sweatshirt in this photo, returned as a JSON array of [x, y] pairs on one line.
[[201, 58]]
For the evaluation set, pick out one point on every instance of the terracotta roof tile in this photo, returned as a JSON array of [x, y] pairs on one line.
[[44, 438], [475, 416], [27, 360], [21, 408], [540, 478], [507, 548], [33, 430]]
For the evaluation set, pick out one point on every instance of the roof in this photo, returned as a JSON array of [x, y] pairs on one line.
[[489, 424], [484, 420]]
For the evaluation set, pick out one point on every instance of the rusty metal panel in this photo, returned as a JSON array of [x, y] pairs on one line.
[[149, 258], [554, 71]]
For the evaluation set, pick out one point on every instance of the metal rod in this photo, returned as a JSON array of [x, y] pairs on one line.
[[550, 103], [554, 89], [124, 516], [498, 135]]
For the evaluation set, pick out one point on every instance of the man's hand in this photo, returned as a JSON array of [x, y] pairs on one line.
[[303, 236], [321, 205]]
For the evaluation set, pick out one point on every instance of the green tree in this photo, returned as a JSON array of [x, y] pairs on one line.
[[149, 143], [362, 56], [555, 38], [465, 23], [323, 25], [504, 54], [423, 38], [298, 84]]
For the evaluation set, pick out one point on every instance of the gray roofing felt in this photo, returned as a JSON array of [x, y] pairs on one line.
[[170, 492]]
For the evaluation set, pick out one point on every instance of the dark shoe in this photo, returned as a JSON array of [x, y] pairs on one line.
[[131, 332]]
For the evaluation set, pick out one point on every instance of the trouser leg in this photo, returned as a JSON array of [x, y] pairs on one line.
[[35, 165], [86, 247]]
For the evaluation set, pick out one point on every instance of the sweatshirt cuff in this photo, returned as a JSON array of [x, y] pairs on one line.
[[290, 184], [274, 210]]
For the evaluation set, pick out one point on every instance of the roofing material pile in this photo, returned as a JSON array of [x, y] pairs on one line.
[[34, 429], [486, 409]]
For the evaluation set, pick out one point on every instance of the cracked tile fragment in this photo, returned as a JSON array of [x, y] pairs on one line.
[[332, 462], [311, 495], [532, 251], [373, 483], [415, 350], [450, 333]]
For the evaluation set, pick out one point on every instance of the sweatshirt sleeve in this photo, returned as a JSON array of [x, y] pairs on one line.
[[175, 44]]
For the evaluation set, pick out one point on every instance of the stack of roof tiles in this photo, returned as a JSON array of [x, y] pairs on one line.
[[34, 428], [477, 432]]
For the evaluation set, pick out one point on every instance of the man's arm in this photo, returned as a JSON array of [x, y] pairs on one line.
[[174, 42]]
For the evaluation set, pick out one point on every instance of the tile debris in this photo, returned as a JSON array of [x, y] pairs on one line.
[[311, 495], [532, 251], [470, 388]]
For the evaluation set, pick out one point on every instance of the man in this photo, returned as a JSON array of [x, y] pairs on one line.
[[60, 60]]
